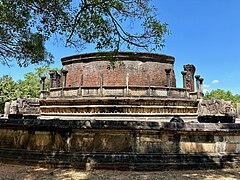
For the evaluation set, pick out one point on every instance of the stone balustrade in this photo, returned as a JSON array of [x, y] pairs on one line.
[[123, 91]]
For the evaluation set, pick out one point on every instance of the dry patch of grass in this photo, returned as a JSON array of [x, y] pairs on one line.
[[20, 172]]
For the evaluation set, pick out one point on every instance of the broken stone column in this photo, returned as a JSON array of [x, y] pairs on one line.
[[55, 79], [184, 78], [168, 77], [201, 85], [51, 73], [189, 80], [42, 83], [198, 85], [64, 72]]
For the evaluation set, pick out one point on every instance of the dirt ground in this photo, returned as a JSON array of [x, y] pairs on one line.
[[20, 172]]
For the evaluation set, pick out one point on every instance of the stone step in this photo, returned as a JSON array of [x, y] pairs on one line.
[[122, 116], [119, 161]]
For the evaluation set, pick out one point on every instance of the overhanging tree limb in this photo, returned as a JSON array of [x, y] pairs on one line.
[[26, 25]]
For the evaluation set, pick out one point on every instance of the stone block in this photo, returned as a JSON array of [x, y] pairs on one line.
[[111, 142], [160, 92], [157, 144], [58, 144], [137, 92], [42, 141], [82, 142], [113, 92], [237, 148], [192, 147], [230, 148], [232, 139], [90, 92], [220, 147], [219, 139], [198, 138]]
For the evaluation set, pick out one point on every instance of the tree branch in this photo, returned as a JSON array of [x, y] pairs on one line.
[[117, 26]]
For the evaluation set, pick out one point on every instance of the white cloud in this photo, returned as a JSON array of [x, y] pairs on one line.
[[215, 81], [206, 88]]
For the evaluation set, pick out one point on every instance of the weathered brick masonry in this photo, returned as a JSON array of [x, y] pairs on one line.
[[87, 78], [141, 69]]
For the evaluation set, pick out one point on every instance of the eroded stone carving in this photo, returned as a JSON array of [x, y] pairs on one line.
[[215, 107], [189, 81], [24, 107]]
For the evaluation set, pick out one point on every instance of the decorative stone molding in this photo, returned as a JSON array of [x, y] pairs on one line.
[[215, 107], [190, 69]]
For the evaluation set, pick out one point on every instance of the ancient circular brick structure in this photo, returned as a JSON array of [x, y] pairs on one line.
[[131, 118], [138, 86], [136, 69]]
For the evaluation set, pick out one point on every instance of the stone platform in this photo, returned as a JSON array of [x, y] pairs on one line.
[[137, 86], [132, 145], [119, 108]]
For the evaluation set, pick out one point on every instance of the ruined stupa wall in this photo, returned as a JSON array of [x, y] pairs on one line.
[[132, 76], [135, 72]]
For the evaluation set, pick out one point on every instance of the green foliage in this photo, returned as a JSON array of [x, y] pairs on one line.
[[17, 40], [225, 95], [25, 25], [8, 90], [219, 94], [28, 87]]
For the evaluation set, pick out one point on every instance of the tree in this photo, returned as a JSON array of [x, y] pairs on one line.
[[8, 90], [220, 94], [26, 24], [225, 95], [28, 87]]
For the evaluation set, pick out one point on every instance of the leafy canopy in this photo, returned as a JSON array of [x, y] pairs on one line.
[[222, 94], [28, 87], [25, 25]]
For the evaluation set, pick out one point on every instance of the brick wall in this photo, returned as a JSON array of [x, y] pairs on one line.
[[141, 71]]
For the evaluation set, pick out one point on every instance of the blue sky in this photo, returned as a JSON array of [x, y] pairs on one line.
[[204, 33]]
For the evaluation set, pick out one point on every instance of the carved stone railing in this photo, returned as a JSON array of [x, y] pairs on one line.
[[119, 91]]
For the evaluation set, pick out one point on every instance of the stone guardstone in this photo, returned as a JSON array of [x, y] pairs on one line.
[[6, 109], [14, 108], [238, 110]]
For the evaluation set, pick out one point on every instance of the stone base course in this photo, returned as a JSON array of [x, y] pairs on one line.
[[132, 145], [120, 161]]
